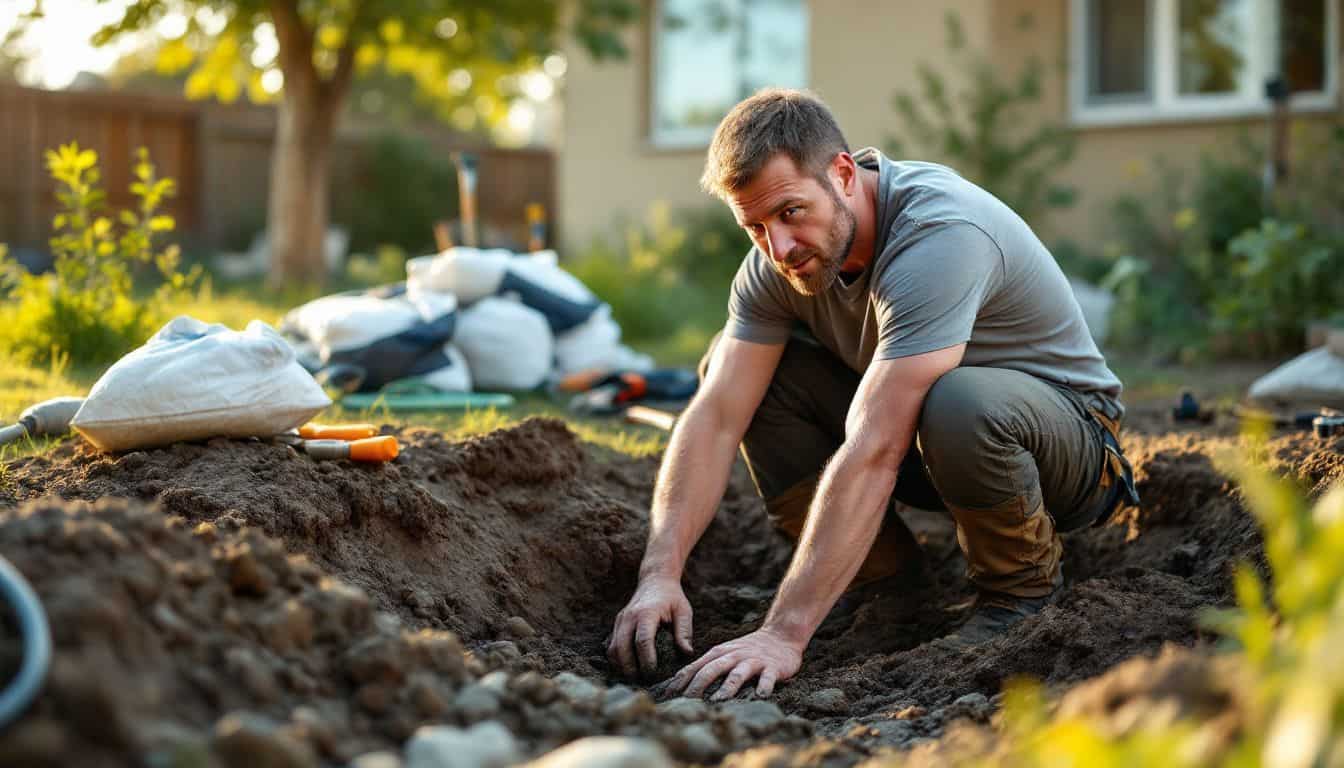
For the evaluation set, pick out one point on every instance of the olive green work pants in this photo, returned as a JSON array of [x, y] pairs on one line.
[[1014, 459]]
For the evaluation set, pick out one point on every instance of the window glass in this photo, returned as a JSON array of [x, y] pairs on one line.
[[710, 54], [1302, 44], [1119, 42], [1213, 36]]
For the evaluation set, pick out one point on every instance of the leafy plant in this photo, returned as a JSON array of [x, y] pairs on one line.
[[977, 128], [1282, 641], [406, 188], [87, 309], [1200, 271], [667, 279]]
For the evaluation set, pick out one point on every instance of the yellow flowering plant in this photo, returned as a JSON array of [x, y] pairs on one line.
[[87, 307]]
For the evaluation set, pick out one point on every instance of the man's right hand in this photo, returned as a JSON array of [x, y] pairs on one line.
[[656, 601]]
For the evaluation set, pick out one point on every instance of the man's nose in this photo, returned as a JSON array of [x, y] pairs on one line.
[[781, 243]]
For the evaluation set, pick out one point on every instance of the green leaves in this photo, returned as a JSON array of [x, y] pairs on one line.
[[975, 123], [87, 309]]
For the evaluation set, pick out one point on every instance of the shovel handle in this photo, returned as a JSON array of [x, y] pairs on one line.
[[337, 431]]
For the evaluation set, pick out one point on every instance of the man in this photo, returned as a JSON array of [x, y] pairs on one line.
[[896, 333]]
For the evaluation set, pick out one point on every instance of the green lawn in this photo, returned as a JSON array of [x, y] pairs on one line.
[[22, 386]]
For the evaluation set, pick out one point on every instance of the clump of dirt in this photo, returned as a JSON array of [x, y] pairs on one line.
[[334, 607]]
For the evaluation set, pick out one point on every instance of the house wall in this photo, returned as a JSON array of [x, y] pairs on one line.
[[860, 52], [1110, 161]]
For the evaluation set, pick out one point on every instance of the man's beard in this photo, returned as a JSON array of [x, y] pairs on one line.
[[829, 258]]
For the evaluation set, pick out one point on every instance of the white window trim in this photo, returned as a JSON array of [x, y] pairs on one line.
[[680, 138], [1166, 105]]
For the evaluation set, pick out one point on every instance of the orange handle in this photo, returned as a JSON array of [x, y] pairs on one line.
[[383, 448], [337, 431]]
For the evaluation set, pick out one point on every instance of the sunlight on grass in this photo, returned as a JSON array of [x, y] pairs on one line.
[[611, 433]]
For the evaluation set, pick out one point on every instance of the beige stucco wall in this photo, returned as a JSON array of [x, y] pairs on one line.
[[1114, 160], [861, 51]]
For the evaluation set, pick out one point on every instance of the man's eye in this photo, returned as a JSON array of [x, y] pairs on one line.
[[790, 212]]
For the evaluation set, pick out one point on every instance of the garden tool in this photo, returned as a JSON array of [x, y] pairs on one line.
[[355, 442], [1329, 424], [651, 417], [51, 417]]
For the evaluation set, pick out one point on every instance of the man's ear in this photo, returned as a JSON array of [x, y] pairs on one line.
[[846, 172]]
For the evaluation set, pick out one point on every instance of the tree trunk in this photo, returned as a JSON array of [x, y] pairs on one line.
[[300, 171], [301, 163]]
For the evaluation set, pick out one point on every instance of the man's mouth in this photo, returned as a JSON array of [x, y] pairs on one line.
[[801, 264]]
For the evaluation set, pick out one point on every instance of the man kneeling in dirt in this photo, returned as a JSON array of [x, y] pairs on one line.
[[896, 334]]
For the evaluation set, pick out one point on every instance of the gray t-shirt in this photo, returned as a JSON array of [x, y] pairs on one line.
[[953, 264]]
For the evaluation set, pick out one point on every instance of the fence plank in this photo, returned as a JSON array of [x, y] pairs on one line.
[[220, 158]]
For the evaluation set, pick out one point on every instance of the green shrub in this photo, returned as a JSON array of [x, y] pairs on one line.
[[978, 129], [667, 281], [87, 309], [1206, 268], [1283, 640], [405, 186]]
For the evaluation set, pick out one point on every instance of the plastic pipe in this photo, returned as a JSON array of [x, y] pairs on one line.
[[36, 636]]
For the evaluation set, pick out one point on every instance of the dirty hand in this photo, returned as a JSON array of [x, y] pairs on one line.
[[656, 601], [761, 654]]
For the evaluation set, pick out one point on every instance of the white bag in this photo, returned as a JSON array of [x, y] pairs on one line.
[[534, 279], [507, 345], [1309, 380], [453, 376], [351, 321], [470, 274], [191, 381], [596, 345]]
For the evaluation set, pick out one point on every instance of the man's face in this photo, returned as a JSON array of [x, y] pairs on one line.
[[801, 224]]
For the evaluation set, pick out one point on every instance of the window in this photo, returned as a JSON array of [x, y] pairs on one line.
[[1145, 60], [710, 54]]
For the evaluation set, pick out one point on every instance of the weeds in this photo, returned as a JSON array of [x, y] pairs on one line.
[[87, 308]]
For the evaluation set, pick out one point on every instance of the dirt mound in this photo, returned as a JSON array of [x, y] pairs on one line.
[[243, 577]]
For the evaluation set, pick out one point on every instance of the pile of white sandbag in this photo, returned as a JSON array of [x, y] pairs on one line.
[[465, 319], [1310, 380]]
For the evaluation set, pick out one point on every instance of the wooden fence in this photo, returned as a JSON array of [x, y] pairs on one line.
[[220, 157]]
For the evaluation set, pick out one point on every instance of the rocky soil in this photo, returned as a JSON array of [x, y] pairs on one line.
[[235, 603]]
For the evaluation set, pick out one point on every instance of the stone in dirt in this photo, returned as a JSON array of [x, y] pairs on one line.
[[827, 701], [605, 752], [246, 740], [759, 717], [152, 571], [484, 745]]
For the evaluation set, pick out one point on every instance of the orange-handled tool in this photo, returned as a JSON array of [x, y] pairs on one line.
[[383, 448], [337, 431]]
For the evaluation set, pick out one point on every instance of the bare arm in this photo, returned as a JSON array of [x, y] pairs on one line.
[[841, 526], [691, 480]]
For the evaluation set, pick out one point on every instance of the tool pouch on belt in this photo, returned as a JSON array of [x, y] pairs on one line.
[[1117, 476]]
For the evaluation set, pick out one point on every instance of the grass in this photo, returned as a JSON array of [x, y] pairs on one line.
[[22, 386]]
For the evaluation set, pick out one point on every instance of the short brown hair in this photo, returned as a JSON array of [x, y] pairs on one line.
[[773, 120]]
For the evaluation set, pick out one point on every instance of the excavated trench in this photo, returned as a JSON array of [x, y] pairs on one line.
[[235, 597]]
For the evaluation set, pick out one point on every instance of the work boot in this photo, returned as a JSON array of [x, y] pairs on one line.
[[994, 613]]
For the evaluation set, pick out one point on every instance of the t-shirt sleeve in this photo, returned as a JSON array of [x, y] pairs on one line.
[[756, 311], [928, 294]]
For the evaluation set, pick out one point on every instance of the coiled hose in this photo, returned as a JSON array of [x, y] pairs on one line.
[[36, 643]]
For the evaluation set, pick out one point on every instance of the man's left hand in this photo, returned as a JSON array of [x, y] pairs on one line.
[[762, 654]]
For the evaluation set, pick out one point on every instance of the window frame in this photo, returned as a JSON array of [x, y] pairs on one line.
[[1164, 102], [690, 138]]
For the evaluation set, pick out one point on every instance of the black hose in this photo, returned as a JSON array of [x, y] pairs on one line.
[[36, 643]]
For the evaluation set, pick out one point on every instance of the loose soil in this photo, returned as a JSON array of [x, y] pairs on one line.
[[235, 602]]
